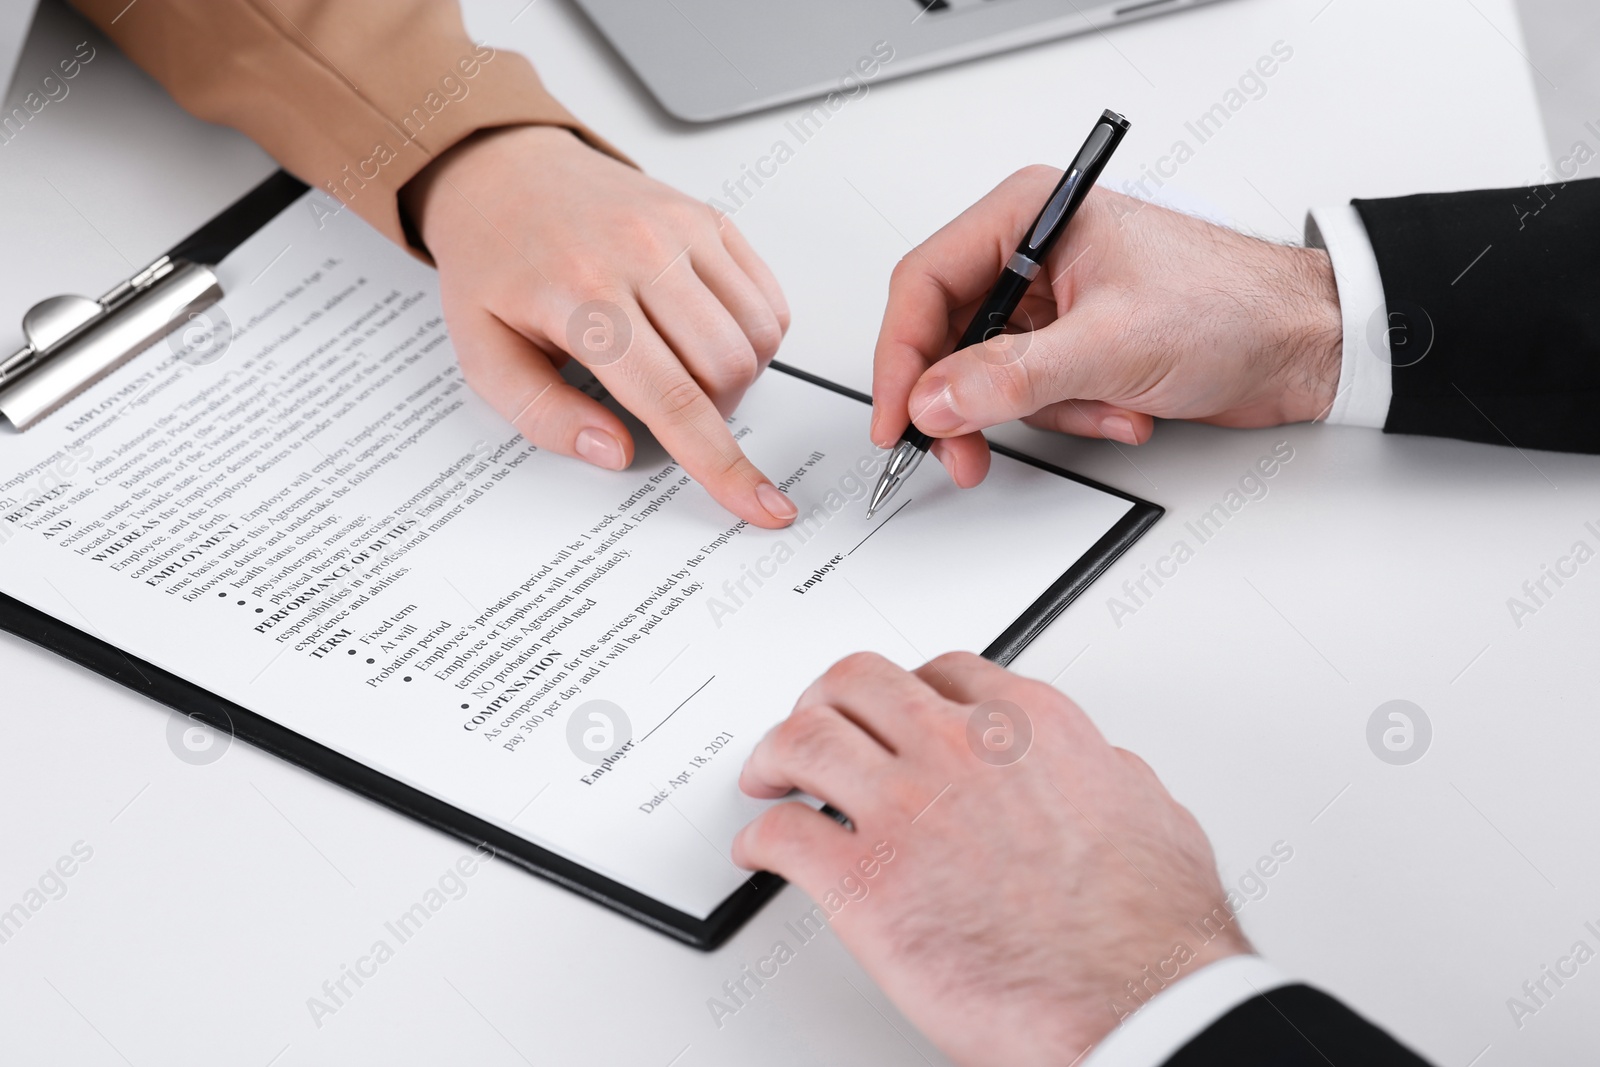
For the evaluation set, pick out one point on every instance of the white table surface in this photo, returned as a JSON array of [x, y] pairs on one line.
[[220, 897]]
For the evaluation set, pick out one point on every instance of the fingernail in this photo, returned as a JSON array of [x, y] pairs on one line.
[[881, 440], [939, 414], [777, 505], [600, 448], [1119, 428]]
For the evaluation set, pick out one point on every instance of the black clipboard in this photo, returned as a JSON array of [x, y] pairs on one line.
[[210, 244]]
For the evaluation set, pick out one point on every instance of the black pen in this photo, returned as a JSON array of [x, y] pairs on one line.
[[1014, 280]]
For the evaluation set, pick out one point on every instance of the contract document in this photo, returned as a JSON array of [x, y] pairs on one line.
[[300, 507]]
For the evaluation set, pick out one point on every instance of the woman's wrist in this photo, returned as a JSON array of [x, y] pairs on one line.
[[421, 197]]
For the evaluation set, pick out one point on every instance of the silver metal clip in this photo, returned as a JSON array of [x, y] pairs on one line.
[[73, 342]]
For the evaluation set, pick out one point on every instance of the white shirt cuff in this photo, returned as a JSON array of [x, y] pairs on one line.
[[1366, 384], [1182, 1011]]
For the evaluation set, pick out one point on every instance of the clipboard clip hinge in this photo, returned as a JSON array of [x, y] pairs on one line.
[[73, 341]]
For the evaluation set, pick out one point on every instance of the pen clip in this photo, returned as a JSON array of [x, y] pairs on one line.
[[1075, 184]]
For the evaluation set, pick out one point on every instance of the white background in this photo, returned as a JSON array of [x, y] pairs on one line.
[[220, 897]]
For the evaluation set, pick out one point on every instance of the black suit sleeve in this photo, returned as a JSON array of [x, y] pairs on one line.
[[1295, 1026], [1494, 304]]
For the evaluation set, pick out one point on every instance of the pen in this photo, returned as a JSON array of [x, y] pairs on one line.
[[1014, 280]]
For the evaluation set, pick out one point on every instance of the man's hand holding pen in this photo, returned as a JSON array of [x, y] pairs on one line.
[[1140, 313]]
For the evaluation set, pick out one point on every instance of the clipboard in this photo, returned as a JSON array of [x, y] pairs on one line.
[[100, 332]]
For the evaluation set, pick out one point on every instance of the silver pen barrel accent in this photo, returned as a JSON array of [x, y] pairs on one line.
[[902, 461]]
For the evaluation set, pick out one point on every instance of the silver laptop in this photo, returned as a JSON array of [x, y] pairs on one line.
[[711, 59]]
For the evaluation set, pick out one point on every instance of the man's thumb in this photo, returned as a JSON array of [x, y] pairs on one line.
[[1008, 377]]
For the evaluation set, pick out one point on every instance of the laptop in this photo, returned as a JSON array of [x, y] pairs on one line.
[[713, 59]]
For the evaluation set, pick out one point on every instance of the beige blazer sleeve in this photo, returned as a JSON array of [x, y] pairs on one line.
[[351, 96]]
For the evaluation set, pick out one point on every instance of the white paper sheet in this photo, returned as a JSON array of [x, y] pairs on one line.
[[327, 527]]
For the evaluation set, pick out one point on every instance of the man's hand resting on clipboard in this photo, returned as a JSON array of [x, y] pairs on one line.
[[1020, 897], [547, 250], [1140, 313]]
